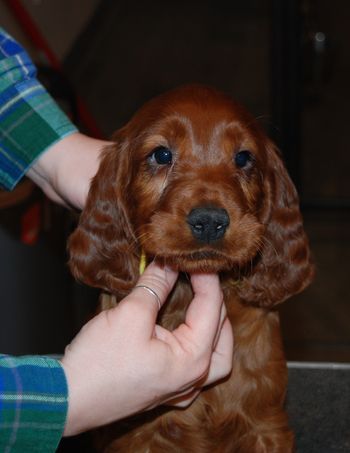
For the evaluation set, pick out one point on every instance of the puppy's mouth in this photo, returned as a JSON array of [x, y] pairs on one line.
[[197, 261]]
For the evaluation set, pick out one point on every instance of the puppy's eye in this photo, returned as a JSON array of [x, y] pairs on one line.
[[243, 158], [161, 155]]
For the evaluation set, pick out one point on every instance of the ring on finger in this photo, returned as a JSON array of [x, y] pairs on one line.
[[151, 291]]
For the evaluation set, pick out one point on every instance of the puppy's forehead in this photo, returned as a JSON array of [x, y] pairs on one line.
[[201, 113]]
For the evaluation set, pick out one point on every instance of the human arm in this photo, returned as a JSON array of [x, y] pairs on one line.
[[36, 137]]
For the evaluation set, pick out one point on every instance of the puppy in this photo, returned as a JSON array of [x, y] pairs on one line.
[[193, 181]]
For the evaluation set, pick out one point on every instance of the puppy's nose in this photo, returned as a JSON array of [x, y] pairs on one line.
[[208, 224]]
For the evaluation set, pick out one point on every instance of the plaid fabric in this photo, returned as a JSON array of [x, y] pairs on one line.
[[33, 404], [30, 120]]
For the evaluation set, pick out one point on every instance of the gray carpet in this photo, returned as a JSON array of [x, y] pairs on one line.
[[319, 407]]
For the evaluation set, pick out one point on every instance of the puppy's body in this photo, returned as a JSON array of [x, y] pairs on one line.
[[244, 413], [194, 182]]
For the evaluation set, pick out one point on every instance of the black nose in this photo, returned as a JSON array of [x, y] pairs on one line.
[[208, 224]]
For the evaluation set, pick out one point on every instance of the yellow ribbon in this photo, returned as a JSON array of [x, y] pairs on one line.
[[142, 265]]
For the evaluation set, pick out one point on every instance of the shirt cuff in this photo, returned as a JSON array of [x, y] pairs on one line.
[[33, 403]]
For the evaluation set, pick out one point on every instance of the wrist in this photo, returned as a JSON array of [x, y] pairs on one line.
[[79, 409], [65, 170]]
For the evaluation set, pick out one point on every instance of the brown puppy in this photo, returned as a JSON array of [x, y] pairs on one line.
[[193, 181]]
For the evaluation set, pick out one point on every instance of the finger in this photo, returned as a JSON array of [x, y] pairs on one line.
[[152, 289], [223, 316], [204, 312], [222, 357], [183, 400]]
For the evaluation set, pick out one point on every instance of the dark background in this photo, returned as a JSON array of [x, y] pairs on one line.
[[288, 62]]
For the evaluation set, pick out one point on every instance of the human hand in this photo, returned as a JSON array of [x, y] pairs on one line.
[[65, 170], [121, 362]]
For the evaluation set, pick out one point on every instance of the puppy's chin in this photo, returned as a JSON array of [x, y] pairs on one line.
[[198, 262]]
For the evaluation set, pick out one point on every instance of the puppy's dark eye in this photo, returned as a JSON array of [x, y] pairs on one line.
[[161, 155], [243, 158]]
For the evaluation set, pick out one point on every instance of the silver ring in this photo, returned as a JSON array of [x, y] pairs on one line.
[[151, 291]]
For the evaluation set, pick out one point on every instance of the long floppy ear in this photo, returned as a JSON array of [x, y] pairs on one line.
[[284, 265], [102, 249]]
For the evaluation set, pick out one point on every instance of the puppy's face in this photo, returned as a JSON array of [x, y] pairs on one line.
[[193, 181], [199, 185]]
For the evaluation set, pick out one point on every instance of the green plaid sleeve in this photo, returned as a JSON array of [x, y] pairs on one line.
[[33, 404], [30, 120]]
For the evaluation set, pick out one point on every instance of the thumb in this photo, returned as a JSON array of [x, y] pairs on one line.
[[148, 296]]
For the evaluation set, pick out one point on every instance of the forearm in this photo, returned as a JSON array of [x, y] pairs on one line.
[[36, 137], [30, 120], [30, 123]]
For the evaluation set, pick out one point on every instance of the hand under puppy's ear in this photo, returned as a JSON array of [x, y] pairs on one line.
[[103, 249]]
